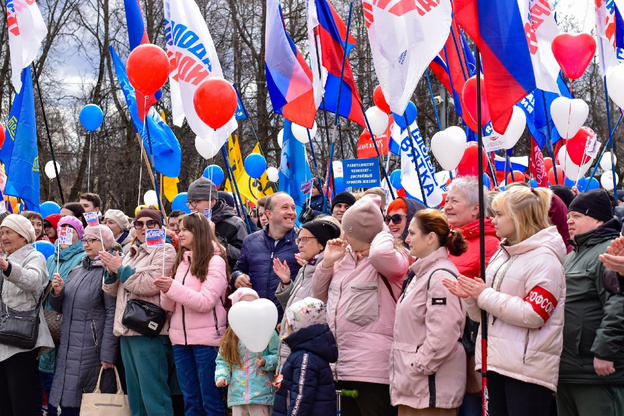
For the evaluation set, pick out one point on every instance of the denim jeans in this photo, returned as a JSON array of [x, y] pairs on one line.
[[195, 366]]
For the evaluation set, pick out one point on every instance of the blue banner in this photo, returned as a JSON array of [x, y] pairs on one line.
[[361, 173]]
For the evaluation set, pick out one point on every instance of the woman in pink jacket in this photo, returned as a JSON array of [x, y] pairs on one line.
[[427, 362], [360, 278], [199, 318]]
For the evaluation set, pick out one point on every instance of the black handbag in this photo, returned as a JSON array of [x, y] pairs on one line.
[[19, 328], [144, 317]]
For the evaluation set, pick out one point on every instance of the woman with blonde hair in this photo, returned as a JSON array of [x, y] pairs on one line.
[[524, 296]]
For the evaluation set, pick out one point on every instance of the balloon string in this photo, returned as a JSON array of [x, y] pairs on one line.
[[89, 167], [140, 173]]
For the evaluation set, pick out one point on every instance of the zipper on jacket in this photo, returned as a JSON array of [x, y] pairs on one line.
[[336, 326], [526, 346], [183, 312], [507, 264]]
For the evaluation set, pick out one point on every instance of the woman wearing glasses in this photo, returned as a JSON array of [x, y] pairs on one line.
[[87, 340], [148, 361], [400, 211], [311, 241]]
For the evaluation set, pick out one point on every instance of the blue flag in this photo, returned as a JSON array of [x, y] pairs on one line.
[[294, 168], [19, 152], [167, 151]]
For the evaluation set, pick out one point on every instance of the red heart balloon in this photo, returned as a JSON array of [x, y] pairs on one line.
[[215, 101], [469, 164], [576, 146], [380, 100], [548, 163], [574, 53], [469, 103]]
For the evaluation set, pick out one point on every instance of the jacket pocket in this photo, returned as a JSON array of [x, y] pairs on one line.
[[363, 305]]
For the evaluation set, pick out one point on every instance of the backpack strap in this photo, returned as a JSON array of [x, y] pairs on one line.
[[388, 286]]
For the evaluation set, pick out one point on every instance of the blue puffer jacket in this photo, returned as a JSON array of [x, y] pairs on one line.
[[308, 384], [256, 260]]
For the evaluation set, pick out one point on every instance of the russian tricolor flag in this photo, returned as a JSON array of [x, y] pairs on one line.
[[289, 78], [137, 33]]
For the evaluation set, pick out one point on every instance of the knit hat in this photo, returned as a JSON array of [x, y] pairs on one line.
[[119, 217], [227, 197], [397, 204], [317, 184], [73, 222], [322, 230], [363, 221], [343, 198], [150, 213], [595, 203], [243, 291], [306, 312], [564, 193], [202, 190], [20, 225], [108, 240]]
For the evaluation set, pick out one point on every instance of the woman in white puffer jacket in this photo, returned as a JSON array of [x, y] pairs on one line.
[[524, 297]]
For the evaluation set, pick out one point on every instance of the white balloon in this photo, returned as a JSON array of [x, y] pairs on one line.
[[605, 162], [301, 133], [606, 180], [515, 128], [615, 84], [272, 174], [448, 147], [49, 169], [150, 198], [378, 120], [254, 322], [569, 115], [280, 138], [206, 148]]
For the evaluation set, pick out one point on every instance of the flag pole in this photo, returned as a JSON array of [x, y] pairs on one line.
[[45, 122], [604, 149], [482, 263], [226, 159], [606, 90], [435, 108], [383, 169], [550, 143]]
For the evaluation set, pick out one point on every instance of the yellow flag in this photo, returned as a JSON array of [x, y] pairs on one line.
[[170, 187], [254, 189], [236, 160]]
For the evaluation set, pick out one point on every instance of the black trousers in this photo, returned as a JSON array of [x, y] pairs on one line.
[[373, 399], [20, 385], [511, 397]]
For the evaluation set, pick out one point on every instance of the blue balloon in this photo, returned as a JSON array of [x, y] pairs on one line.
[[502, 188], [582, 184], [49, 208], [339, 185], [179, 202], [593, 184], [410, 112], [44, 247], [255, 165], [486, 180], [395, 179], [569, 182], [533, 183], [215, 174], [91, 117]]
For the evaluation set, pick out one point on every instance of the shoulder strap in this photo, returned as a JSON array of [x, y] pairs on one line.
[[387, 283], [441, 268]]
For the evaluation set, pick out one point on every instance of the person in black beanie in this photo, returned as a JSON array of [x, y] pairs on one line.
[[341, 203], [564, 193]]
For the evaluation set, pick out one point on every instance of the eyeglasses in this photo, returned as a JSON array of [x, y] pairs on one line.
[[396, 218], [89, 241], [148, 224], [191, 204], [303, 240]]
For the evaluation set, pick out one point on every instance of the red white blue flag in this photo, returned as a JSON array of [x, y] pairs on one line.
[[137, 33], [155, 238], [92, 219]]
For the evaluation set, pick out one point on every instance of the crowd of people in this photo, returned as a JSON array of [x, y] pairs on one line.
[[383, 298]]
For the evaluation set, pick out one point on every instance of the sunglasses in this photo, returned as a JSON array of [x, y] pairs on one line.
[[89, 240], [396, 218], [148, 224]]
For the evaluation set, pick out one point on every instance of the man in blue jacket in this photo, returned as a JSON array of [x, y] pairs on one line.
[[274, 243]]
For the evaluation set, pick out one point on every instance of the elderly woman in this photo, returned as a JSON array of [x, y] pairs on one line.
[[148, 361], [65, 259], [24, 278], [119, 225], [87, 340]]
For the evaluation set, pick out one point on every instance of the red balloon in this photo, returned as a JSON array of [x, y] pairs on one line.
[[2, 135], [469, 103], [576, 146], [560, 176], [215, 102], [380, 100], [469, 164], [574, 53], [548, 163], [515, 176], [444, 194], [147, 68]]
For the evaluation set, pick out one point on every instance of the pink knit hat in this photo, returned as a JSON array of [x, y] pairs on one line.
[[363, 221], [74, 222], [108, 240], [243, 291]]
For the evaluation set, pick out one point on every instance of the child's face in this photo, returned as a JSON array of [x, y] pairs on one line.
[[248, 298], [289, 329]]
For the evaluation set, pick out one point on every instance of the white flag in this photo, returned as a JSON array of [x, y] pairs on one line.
[[316, 58], [610, 55], [541, 28], [193, 58], [26, 31], [405, 36]]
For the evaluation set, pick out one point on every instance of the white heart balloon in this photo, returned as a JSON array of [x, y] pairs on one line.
[[515, 128], [615, 85], [448, 147], [606, 180], [272, 174], [254, 322], [605, 162], [377, 119], [568, 115], [301, 133], [205, 148]]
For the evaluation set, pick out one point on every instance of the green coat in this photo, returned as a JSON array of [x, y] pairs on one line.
[[594, 318], [69, 258]]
